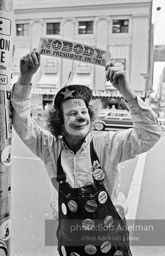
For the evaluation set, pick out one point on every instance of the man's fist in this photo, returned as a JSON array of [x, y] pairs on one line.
[[30, 62], [29, 65], [116, 76]]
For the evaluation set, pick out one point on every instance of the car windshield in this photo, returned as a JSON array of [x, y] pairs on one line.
[[117, 114], [103, 112]]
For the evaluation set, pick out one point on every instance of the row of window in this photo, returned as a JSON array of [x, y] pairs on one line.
[[84, 27]]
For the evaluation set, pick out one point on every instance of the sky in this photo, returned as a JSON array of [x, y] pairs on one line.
[[158, 19]]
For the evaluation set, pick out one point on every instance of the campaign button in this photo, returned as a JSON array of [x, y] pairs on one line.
[[64, 209], [91, 206], [102, 197], [72, 205], [88, 225], [105, 247], [5, 230], [118, 253], [63, 251], [98, 174], [108, 221], [90, 249], [6, 156], [74, 254]]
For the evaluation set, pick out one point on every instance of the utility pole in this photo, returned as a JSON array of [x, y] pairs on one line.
[[7, 30]]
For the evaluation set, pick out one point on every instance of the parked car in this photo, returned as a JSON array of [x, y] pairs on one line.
[[113, 119]]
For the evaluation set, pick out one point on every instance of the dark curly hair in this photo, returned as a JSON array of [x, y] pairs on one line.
[[55, 121]]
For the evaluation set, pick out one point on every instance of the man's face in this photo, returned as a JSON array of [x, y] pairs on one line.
[[76, 118]]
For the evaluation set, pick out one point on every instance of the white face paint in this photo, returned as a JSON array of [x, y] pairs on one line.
[[76, 118]]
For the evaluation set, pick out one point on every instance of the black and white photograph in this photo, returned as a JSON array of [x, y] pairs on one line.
[[82, 127]]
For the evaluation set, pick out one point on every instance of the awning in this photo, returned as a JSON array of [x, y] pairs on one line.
[[97, 93], [48, 80], [114, 93], [44, 91]]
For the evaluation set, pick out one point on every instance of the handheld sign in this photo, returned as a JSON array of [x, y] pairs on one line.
[[72, 50]]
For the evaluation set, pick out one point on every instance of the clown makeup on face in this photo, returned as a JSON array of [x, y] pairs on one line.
[[76, 118]]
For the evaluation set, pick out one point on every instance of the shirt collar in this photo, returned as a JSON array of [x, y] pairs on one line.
[[84, 144]]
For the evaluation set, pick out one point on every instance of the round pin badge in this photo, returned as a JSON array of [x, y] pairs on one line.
[[91, 206], [105, 247], [74, 254], [72, 205], [118, 253], [64, 209], [90, 249], [5, 230], [108, 221], [63, 250], [88, 225], [98, 174], [6, 156], [102, 197]]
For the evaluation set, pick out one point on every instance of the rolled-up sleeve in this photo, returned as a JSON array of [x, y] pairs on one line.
[[127, 144], [35, 138], [145, 133]]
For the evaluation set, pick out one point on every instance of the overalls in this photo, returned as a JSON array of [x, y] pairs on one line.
[[88, 221]]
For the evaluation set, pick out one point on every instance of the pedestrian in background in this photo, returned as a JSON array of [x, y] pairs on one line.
[[83, 167]]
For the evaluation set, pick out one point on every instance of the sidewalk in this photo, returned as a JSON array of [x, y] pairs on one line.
[[152, 201], [152, 190]]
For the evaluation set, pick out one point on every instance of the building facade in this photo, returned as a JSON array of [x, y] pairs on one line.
[[120, 27]]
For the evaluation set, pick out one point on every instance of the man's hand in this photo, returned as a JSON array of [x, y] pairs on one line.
[[118, 78], [29, 65]]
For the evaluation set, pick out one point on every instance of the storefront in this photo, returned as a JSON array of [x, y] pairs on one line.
[[112, 98], [43, 96]]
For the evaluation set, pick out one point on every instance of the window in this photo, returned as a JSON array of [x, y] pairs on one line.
[[53, 28], [85, 27], [83, 67], [50, 66], [22, 29], [120, 26]]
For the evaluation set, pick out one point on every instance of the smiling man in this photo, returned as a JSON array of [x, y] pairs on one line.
[[83, 168], [76, 122]]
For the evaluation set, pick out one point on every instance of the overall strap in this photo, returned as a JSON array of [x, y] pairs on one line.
[[97, 171], [61, 176], [94, 157]]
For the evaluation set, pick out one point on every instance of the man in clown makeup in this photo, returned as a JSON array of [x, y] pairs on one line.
[[83, 167]]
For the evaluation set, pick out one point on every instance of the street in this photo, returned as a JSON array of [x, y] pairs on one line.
[[31, 198]]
